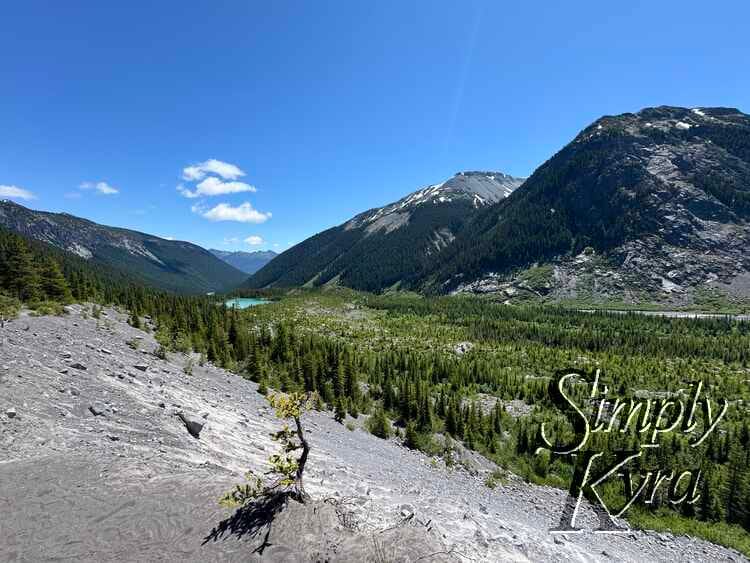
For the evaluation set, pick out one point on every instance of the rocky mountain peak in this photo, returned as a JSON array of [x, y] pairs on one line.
[[483, 187], [671, 121], [477, 188]]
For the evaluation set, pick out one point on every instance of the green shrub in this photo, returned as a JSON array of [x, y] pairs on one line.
[[496, 478], [182, 343], [379, 425], [41, 308], [729, 535], [9, 307], [412, 438]]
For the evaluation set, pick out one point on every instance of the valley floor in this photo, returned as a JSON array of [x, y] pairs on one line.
[[96, 466]]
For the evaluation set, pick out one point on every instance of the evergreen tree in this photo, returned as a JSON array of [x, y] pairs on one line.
[[411, 437], [21, 277], [340, 411], [379, 425]]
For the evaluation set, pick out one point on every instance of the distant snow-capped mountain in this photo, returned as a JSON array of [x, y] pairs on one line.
[[477, 188], [385, 246]]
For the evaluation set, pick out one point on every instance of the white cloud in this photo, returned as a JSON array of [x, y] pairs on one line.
[[101, 187], [211, 166], [213, 186], [254, 240], [243, 213], [106, 189], [15, 192]]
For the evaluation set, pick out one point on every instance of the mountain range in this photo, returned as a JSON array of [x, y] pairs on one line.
[[247, 262], [176, 266], [653, 204]]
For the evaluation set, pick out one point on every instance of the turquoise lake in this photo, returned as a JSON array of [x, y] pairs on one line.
[[245, 302]]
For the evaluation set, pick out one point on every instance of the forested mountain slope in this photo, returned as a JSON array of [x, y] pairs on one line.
[[386, 246], [659, 199], [165, 264]]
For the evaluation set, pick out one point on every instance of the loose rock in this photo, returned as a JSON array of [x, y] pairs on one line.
[[193, 424]]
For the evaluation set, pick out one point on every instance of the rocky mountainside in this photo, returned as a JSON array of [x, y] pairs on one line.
[[97, 464], [384, 247], [247, 262], [654, 203], [166, 264], [647, 206]]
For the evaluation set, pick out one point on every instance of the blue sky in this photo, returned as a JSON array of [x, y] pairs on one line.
[[310, 112]]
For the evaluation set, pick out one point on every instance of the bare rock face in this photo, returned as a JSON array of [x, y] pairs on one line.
[[662, 196]]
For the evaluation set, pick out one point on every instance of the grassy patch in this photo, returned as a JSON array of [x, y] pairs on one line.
[[42, 308], [721, 533], [715, 300], [537, 279], [9, 307], [498, 477]]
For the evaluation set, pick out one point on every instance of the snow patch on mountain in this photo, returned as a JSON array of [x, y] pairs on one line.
[[477, 188]]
